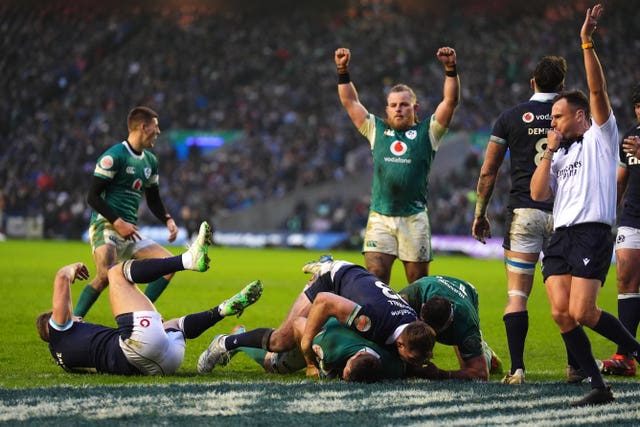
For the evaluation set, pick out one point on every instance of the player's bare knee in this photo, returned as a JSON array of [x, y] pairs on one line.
[[585, 316], [113, 274]]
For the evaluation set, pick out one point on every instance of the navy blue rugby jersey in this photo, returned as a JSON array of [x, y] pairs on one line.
[[384, 309], [88, 347], [630, 213], [523, 129]]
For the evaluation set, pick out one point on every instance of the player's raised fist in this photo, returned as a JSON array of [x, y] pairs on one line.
[[342, 57], [446, 55]]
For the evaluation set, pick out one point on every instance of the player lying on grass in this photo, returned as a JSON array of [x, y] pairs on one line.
[[142, 344], [351, 294], [339, 352], [450, 306]]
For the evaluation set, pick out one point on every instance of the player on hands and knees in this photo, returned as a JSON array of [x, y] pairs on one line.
[[351, 294]]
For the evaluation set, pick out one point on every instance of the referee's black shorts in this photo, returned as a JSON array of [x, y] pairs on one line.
[[582, 250]]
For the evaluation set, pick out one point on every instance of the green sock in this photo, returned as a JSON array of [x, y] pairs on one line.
[[86, 300], [155, 288], [256, 354]]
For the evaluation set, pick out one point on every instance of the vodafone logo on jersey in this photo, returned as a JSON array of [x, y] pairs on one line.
[[528, 117], [362, 323], [106, 162], [398, 148], [137, 184]]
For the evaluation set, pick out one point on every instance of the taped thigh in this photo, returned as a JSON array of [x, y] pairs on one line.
[[520, 266]]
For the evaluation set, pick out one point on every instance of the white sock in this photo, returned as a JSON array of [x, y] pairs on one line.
[[187, 260]]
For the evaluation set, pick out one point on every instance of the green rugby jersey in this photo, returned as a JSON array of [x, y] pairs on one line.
[[464, 331], [130, 174], [401, 164], [336, 343]]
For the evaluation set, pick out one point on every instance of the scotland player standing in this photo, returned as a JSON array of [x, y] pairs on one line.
[[628, 243], [521, 130]]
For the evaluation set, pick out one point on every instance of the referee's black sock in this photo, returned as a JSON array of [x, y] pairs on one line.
[[578, 344]]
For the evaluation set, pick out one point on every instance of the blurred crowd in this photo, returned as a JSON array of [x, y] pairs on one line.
[[72, 69]]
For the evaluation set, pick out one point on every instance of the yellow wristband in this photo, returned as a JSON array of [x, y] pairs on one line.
[[547, 156], [587, 45]]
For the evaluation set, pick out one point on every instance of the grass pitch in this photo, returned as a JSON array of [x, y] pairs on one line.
[[35, 391]]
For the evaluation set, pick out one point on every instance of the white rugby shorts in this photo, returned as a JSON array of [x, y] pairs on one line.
[[628, 238], [529, 230], [150, 348], [407, 237]]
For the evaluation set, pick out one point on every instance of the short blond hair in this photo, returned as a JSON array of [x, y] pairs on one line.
[[404, 88]]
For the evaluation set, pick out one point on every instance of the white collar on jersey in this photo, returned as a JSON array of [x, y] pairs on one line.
[[543, 96]]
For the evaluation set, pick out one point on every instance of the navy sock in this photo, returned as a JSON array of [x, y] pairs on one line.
[[517, 326], [148, 270], [195, 324], [610, 327], [629, 315], [578, 344], [252, 338]]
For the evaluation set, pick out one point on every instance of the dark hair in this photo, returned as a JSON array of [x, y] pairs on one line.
[[42, 325], [140, 115], [420, 337], [635, 94], [365, 368], [577, 99], [549, 73], [436, 312]]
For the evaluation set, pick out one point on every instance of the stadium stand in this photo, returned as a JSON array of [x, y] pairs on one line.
[[71, 69]]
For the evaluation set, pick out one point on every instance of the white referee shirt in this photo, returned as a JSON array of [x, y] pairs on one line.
[[583, 178]]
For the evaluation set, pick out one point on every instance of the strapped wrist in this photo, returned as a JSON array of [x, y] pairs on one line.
[[450, 70], [481, 206], [344, 78]]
